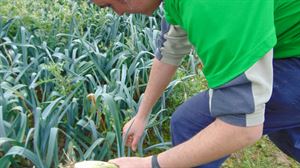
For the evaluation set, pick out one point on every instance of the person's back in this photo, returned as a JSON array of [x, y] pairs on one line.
[[287, 24], [282, 118], [282, 122]]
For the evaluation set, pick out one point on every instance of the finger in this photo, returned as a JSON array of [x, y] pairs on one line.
[[125, 129], [115, 162], [124, 132], [129, 141], [135, 142]]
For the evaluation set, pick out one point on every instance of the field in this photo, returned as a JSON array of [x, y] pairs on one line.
[[71, 74]]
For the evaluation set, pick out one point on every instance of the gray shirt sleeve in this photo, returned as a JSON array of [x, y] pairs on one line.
[[173, 44]]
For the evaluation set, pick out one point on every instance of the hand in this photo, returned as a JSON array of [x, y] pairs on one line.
[[132, 162], [133, 131]]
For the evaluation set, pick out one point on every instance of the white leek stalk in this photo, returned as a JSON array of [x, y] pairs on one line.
[[94, 164]]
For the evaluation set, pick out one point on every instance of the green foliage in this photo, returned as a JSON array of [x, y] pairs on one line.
[[46, 19], [63, 83]]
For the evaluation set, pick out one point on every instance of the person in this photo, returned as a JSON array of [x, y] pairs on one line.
[[235, 41]]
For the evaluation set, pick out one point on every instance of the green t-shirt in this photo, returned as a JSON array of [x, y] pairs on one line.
[[287, 23], [229, 35]]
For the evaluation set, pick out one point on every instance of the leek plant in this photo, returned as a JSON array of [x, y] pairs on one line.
[[67, 87]]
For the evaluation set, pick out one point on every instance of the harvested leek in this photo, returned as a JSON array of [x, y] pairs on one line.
[[94, 164]]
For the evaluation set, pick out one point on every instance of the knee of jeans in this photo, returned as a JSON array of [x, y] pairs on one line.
[[186, 117], [285, 99]]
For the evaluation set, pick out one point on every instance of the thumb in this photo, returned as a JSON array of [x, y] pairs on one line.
[[135, 142]]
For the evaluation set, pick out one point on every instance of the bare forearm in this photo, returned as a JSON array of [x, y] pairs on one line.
[[217, 140], [160, 76]]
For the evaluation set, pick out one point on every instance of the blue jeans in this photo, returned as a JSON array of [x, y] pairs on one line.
[[282, 115]]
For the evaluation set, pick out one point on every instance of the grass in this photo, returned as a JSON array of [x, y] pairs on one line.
[[263, 154]]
